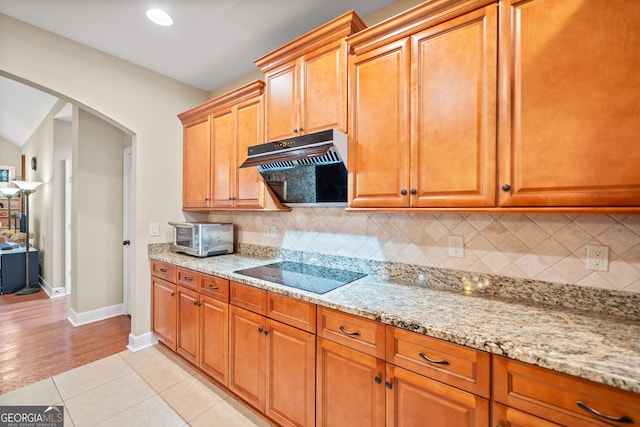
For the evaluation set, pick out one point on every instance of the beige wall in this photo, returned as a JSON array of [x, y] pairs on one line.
[[10, 155], [96, 219], [140, 102], [41, 146]]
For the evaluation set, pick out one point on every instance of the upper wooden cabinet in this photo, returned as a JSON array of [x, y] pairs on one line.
[[422, 128], [306, 81], [569, 103], [216, 137]]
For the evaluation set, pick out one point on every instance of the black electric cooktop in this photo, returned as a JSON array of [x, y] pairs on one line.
[[307, 277]]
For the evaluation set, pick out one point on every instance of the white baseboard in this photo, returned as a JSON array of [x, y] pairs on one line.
[[91, 316], [139, 342], [52, 292]]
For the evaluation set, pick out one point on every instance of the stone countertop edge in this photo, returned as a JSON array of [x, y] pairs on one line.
[[600, 348]]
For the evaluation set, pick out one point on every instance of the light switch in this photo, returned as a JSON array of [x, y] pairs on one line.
[[154, 229]]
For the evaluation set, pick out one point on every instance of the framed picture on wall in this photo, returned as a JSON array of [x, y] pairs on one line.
[[7, 174]]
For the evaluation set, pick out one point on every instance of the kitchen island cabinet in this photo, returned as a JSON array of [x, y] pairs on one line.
[[306, 81], [432, 142], [569, 103]]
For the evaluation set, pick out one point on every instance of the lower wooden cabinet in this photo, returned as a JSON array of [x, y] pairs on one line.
[[560, 398], [163, 321], [272, 364], [214, 338], [413, 400], [350, 387], [188, 325]]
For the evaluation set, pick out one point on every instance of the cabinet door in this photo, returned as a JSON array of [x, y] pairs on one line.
[[570, 104], [349, 387], [249, 191], [504, 416], [281, 102], [188, 340], [414, 400], [291, 369], [214, 338], [223, 158], [247, 356], [453, 142], [196, 167], [164, 311], [323, 83], [379, 127]]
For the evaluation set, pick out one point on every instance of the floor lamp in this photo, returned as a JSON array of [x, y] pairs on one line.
[[9, 192], [27, 187]]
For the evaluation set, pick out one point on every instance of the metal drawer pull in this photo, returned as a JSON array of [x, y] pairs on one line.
[[213, 288], [623, 419], [188, 278], [437, 362], [351, 334], [162, 270]]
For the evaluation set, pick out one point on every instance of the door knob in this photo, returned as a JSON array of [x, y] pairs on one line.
[[126, 242]]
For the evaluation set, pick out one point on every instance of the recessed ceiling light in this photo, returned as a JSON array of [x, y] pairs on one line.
[[160, 17]]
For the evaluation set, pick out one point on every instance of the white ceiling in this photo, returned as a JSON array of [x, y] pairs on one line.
[[212, 42]]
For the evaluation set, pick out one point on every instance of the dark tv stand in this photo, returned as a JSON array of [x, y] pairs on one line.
[[12, 270]]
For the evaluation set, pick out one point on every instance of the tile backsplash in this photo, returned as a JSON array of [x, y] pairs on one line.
[[545, 247]]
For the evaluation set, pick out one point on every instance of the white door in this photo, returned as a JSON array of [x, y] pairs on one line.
[[68, 175], [126, 230]]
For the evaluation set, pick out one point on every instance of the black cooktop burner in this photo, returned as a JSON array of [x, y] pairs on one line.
[[308, 277]]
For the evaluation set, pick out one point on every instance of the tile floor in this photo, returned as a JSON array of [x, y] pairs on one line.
[[148, 388]]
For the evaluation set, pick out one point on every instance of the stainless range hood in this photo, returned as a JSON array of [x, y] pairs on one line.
[[320, 148], [304, 170]]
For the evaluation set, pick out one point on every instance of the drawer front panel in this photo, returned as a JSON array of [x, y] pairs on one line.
[[188, 278], [214, 287], [453, 364], [249, 298], [555, 396], [300, 314], [163, 270], [355, 332]]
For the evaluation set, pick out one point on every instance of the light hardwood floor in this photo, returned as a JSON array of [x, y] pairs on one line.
[[37, 341]]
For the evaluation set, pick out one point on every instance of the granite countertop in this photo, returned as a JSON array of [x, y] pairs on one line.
[[601, 348]]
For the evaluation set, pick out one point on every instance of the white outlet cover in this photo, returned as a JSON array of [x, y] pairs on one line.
[[597, 258], [456, 246]]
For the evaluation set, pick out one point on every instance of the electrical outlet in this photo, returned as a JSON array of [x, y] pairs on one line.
[[598, 258], [154, 229], [456, 246]]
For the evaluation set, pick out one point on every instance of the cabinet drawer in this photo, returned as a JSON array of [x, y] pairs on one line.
[[555, 396], [456, 365], [249, 298], [356, 332], [187, 278], [214, 287], [163, 270], [291, 311], [508, 417]]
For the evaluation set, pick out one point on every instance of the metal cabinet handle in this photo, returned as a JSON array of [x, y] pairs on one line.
[[428, 359], [260, 330], [388, 384], [413, 191], [266, 332], [378, 380], [506, 187], [163, 270], [403, 192], [214, 288], [351, 334], [295, 130], [173, 293], [300, 129], [188, 278], [623, 419]]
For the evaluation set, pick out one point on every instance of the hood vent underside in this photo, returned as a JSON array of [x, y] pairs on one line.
[[323, 155]]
